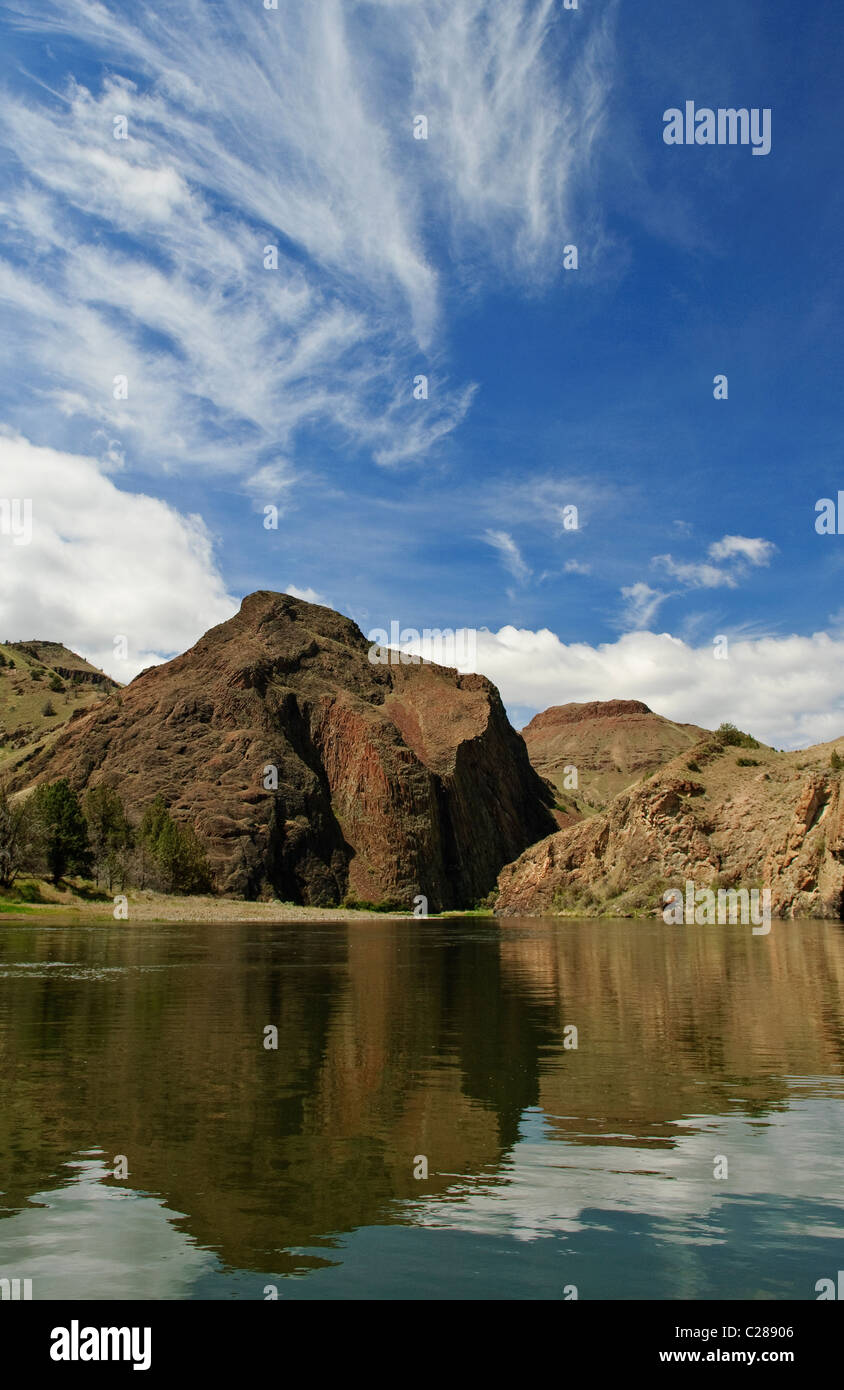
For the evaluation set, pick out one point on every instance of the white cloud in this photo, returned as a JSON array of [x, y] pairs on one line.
[[511, 556], [787, 691], [271, 484], [641, 604], [103, 564], [508, 141], [307, 595], [251, 127], [577, 567], [754, 551], [740, 550], [696, 576]]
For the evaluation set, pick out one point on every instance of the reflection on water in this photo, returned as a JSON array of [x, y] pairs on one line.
[[548, 1166]]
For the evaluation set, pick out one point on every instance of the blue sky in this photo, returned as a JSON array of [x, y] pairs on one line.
[[292, 387]]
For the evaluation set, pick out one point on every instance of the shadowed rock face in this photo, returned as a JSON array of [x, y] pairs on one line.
[[393, 780]]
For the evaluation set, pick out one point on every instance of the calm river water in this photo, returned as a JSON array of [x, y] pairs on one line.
[[688, 1147]]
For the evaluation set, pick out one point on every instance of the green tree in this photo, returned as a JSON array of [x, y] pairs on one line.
[[175, 849], [18, 838], [109, 832], [192, 873], [835, 761], [65, 833]]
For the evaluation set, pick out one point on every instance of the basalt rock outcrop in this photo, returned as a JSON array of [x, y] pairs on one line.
[[715, 817], [392, 780]]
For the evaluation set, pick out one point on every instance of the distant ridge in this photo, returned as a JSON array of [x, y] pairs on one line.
[[43, 685], [611, 743]]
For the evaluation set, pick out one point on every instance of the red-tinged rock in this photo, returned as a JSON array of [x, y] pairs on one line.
[[393, 780]]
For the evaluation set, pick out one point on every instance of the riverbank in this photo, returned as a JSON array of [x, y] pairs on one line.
[[85, 903]]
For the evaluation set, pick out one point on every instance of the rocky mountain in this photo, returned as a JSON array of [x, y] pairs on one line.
[[392, 780], [42, 686], [610, 743], [720, 816]]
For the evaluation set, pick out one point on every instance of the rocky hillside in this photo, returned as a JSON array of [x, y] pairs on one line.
[[721, 816], [392, 780], [42, 686], [611, 743]]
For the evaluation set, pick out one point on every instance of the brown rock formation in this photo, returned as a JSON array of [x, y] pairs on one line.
[[612, 743], [777, 823], [393, 780]]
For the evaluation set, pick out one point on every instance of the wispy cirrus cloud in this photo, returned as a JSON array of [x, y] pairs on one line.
[[695, 576], [641, 605], [511, 556], [251, 128]]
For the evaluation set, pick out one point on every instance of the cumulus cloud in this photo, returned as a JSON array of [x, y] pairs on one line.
[[786, 691], [103, 564]]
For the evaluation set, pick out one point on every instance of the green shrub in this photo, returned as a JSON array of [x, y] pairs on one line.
[[728, 736], [29, 893], [364, 905]]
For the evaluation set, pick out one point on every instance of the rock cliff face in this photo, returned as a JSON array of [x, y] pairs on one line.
[[611, 743], [777, 823], [393, 780]]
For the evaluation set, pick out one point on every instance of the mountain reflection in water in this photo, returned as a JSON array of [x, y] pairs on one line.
[[548, 1166]]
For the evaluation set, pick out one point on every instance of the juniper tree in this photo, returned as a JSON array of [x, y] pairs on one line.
[[65, 832]]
